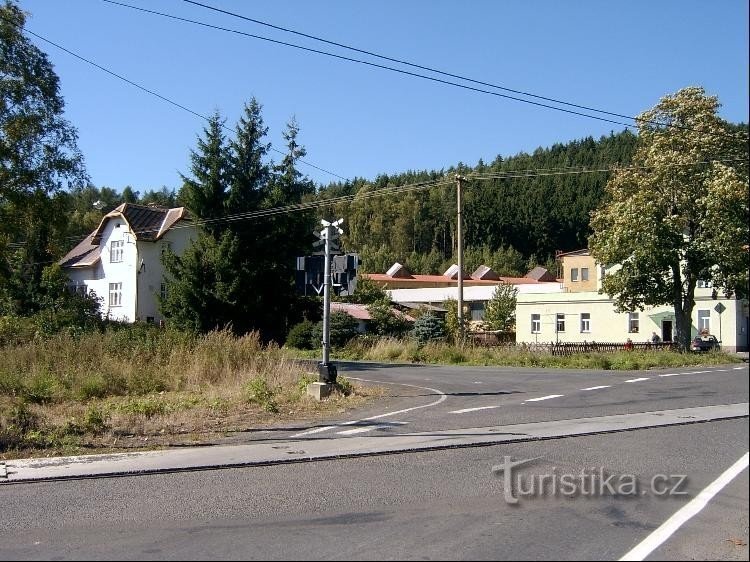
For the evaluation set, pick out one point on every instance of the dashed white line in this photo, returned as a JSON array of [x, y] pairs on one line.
[[639, 380], [671, 525], [369, 428], [465, 410], [544, 398], [739, 368], [597, 387], [672, 375]]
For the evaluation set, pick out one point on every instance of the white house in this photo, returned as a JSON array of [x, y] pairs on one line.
[[121, 262], [579, 313]]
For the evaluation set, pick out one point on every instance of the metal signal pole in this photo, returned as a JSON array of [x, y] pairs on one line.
[[330, 233]]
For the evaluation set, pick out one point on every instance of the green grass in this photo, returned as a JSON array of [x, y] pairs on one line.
[[408, 351]]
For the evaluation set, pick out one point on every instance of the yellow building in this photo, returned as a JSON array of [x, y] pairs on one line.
[[579, 313]]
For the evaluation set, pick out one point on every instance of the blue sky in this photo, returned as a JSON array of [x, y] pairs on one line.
[[361, 121]]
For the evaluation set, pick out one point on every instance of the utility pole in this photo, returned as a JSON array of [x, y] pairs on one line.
[[460, 244]]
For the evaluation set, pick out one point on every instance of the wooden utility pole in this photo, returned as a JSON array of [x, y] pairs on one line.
[[460, 247]]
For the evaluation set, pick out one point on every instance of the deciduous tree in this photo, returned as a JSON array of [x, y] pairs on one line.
[[680, 214]]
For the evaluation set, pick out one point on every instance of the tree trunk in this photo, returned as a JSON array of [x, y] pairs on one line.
[[683, 308]]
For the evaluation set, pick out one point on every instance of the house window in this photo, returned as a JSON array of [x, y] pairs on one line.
[[704, 321], [477, 311], [633, 322], [78, 288], [585, 322], [115, 294], [701, 284], [584, 274], [560, 322], [574, 274], [536, 323], [163, 291], [115, 251], [166, 247]]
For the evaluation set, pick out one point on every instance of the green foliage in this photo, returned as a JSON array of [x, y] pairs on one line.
[[679, 217], [507, 221], [343, 328], [38, 158], [258, 391], [95, 420], [429, 327], [500, 312], [240, 274], [452, 325], [385, 321], [367, 291], [344, 385], [301, 336]]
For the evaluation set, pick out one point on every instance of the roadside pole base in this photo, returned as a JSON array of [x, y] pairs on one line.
[[319, 390]]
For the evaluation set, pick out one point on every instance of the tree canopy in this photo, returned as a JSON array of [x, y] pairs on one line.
[[38, 158], [680, 214]]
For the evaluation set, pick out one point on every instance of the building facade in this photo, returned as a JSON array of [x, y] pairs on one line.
[[580, 313], [121, 261]]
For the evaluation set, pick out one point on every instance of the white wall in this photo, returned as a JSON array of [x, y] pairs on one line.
[[140, 285], [607, 325], [151, 273], [471, 293]]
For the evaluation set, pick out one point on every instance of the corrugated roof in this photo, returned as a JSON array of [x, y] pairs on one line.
[[148, 223], [85, 254], [360, 312]]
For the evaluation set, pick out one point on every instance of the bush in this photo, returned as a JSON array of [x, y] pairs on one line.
[[429, 327], [259, 392], [343, 329], [302, 336]]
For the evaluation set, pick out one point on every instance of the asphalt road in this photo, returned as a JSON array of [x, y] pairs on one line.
[[446, 504]]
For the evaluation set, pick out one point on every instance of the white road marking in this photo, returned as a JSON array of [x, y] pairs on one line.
[[739, 368], [671, 375], [639, 380], [671, 525], [311, 431], [465, 410], [369, 428], [597, 387], [544, 398], [477, 382], [442, 398]]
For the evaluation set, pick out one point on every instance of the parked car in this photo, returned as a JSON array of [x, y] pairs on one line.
[[705, 343]]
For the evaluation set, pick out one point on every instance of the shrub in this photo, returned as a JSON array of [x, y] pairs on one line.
[[302, 336], [428, 327], [95, 420], [343, 329], [259, 392]]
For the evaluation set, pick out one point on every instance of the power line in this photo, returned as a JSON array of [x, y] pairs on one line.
[[401, 61], [421, 67], [368, 63], [392, 190], [397, 190], [151, 92]]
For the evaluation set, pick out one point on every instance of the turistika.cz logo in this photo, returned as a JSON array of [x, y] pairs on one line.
[[589, 482]]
